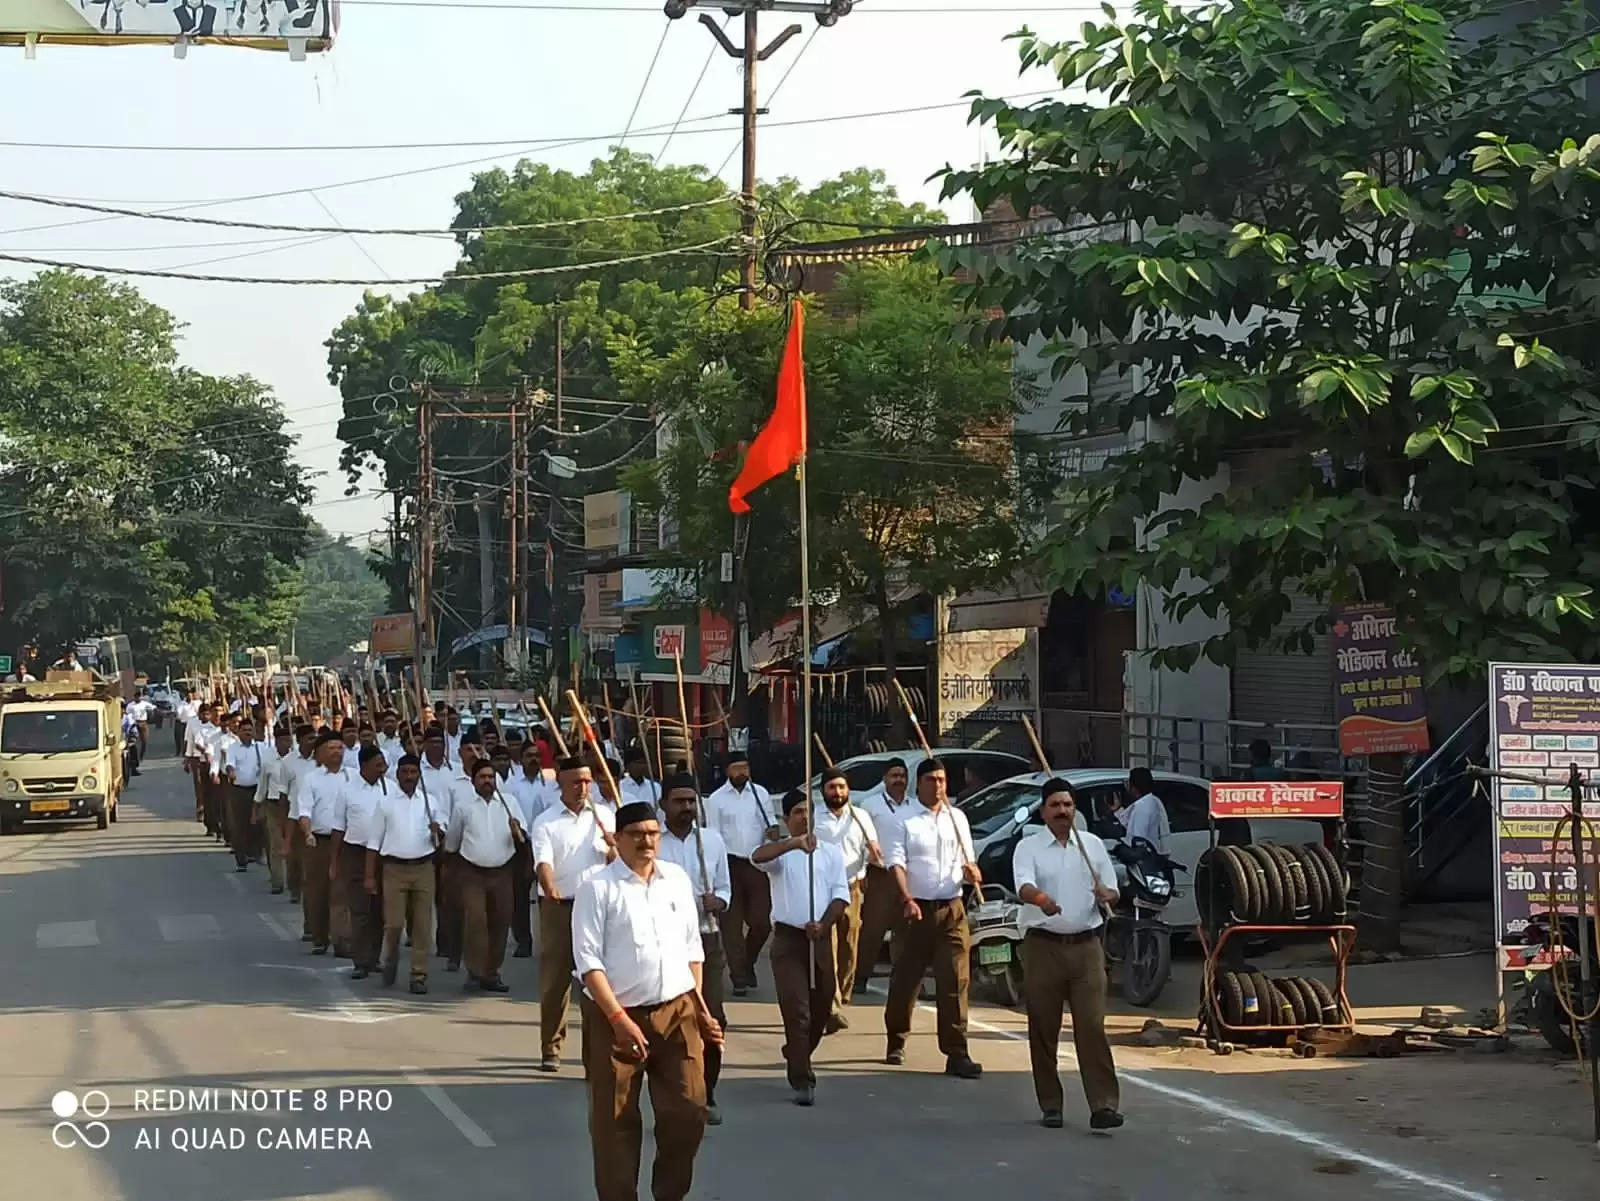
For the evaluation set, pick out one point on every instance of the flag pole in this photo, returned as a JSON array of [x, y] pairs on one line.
[[808, 733]]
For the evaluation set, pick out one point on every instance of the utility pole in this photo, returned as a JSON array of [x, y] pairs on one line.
[[827, 12], [422, 547]]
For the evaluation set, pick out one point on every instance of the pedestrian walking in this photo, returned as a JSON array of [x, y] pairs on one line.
[[316, 808], [810, 893], [570, 841], [444, 782], [855, 834], [406, 834], [272, 807], [703, 856], [484, 831], [929, 851], [1063, 877], [244, 768], [352, 839], [637, 945], [743, 813]]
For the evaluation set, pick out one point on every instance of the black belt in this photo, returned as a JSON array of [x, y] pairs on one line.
[[482, 868], [1052, 936], [556, 901], [936, 904], [800, 930], [408, 862]]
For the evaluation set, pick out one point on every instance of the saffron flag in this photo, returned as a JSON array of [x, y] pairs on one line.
[[782, 441]]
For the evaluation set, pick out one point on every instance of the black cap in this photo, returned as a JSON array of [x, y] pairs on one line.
[[737, 757], [792, 800], [894, 763], [570, 763], [635, 812], [834, 773], [328, 736], [679, 780], [929, 766], [407, 761], [368, 754]]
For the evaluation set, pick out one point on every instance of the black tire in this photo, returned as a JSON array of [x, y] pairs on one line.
[[1147, 965], [917, 703], [1546, 1015], [1242, 903], [875, 702], [1008, 984], [114, 807], [878, 746], [1252, 1003], [1309, 1001], [102, 820], [1211, 890], [1293, 876], [1230, 998], [1316, 887], [1326, 1004], [1266, 999], [1271, 883], [1339, 887], [1289, 986]]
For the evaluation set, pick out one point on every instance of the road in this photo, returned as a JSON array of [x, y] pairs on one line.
[[138, 960]]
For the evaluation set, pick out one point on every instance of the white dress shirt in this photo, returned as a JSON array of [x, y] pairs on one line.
[[686, 853], [248, 763], [885, 813], [571, 843], [796, 900], [196, 734], [183, 713], [440, 784], [218, 743], [352, 758], [321, 798], [452, 747], [141, 710], [742, 818], [850, 830], [481, 830], [274, 773], [1058, 869], [646, 790], [1146, 818], [932, 845], [642, 935], [299, 767], [533, 797], [360, 808], [400, 828]]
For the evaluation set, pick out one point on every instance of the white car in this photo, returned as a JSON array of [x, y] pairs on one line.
[[992, 814]]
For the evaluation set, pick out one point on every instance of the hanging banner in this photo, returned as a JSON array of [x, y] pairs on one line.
[[989, 676], [1543, 720], [289, 25], [1377, 689], [1278, 798], [394, 634]]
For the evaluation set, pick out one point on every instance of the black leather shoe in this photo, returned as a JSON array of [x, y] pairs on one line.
[[1051, 1120], [320, 949], [419, 985], [713, 1114], [522, 953], [453, 966], [805, 1096], [360, 973], [1105, 1119], [550, 1063], [495, 984], [895, 1058], [962, 1067]]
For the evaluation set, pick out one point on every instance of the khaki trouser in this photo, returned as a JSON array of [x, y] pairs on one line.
[[748, 921], [1069, 970], [486, 910], [805, 1005], [363, 910], [675, 1069], [274, 817], [555, 973], [880, 916], [408, 903], [712, 990], [846, 935], [316, 890], [939, 938]]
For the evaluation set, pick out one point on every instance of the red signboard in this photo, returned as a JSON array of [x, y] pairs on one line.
[[1278, 798]]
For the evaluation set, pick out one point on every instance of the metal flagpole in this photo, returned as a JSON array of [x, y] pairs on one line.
[[807, 733]]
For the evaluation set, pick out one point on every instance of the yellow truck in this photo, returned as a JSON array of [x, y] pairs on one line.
[[61, 751]]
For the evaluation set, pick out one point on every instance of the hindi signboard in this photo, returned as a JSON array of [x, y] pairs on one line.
[[393, 634], [1544, 719], [989, 676], [296, 26], [1378, 697], [1278, 798]]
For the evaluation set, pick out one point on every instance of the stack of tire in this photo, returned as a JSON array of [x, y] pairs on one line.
[[883, 706], [1270, 885], [1248, 999], [668, 736]]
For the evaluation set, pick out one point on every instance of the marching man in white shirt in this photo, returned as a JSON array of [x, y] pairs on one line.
[[571, 841], [405, 836], [930, 853], [881, 910], [1063, 877], [272, 805], [703, 856], [485, 832], [637, 785], [315, 809], [856, 836], [301, 764], [810, 893], [352, 838], [443, 781], [636, 942], [244, 767], [743, 813]]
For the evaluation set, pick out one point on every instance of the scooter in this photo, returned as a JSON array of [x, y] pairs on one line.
[[994, 923], [1135, 937], [1539, 1007]]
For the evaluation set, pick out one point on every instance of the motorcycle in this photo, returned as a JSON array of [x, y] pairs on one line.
[[1135, 937], [994, 923], [1539, 1007]]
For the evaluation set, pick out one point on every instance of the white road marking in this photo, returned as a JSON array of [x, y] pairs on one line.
[[277, 927], [66, 934], [1261, 1123], [343, 1004], [474, 1133], [189, 927]]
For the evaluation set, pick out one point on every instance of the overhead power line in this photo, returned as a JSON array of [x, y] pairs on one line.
[[526, 273], [649, 73], [431, 232]]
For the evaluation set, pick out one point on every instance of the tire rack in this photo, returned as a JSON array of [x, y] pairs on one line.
[[1220, 1036]]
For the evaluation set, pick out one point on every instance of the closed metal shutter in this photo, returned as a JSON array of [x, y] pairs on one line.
[[1287, 689]]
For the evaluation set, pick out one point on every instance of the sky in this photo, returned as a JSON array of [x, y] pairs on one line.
[[249, 135]]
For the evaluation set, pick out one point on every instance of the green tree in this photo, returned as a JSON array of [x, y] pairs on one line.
[[1286, 244], [911, 482], [339, 597], [135, 495]]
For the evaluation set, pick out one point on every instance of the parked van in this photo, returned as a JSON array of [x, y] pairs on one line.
[[61, 752]]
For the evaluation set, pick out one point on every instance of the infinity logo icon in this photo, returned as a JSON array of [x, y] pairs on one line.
[[93, 1134]]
